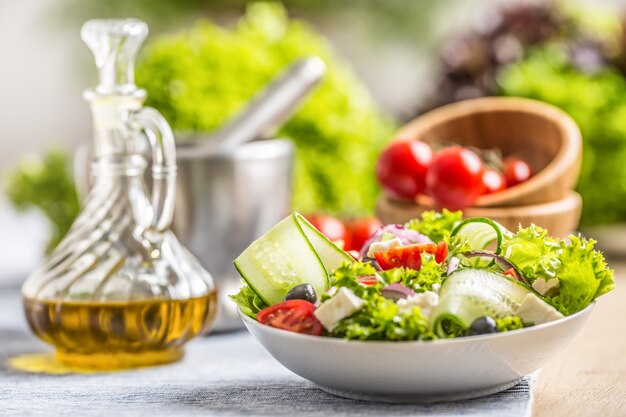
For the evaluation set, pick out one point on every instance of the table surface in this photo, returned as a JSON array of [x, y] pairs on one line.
[[589, 378], [227, 374]]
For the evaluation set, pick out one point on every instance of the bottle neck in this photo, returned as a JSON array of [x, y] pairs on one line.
[[118, 150]]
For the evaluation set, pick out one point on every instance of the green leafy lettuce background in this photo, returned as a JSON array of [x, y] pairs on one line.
[[201, 77]]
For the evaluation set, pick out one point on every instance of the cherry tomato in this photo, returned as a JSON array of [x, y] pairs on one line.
[[442, 252], [516, 171], [360, 231], [367, 280], [455, 178], [293, 315], [329, 226], [401, 168], [410, 256], [493, 181]]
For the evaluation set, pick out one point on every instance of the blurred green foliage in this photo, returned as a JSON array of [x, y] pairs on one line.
[[201, 77], [46, 182], [596, 102]]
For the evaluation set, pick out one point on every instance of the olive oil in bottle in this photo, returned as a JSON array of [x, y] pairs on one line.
[[109, 335]]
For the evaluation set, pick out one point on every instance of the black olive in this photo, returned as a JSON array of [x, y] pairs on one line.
[[302, 292], [482, 325]]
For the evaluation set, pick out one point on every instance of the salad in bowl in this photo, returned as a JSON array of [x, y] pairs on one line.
[[438, 308], [434, 277]]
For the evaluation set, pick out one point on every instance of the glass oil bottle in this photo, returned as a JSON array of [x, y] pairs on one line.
[[120, 290]]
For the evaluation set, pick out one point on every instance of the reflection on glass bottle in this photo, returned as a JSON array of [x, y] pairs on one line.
[[120, 290]]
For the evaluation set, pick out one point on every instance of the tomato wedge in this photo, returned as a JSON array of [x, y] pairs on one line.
[[292, 315], [410, 256], [367, 280]]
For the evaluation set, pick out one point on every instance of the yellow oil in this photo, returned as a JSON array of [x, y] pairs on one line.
[[115, 334]]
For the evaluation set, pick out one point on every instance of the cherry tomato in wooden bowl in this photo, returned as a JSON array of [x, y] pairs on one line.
[[293, 315], [401, 168], [516, 171], [455, 178], [493, 181]]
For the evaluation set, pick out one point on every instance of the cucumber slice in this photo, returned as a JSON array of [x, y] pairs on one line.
[[292, 252], [330, 254], [481, 232], [471, 293]]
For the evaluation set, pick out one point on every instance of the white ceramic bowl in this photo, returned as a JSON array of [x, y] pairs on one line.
[[439, 370]]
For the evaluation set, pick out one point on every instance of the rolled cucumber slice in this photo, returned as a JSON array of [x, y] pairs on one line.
[[330, 254], [292, 252], [482, 232], [468, 294]]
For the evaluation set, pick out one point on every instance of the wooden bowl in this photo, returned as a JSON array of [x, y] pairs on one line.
[[544, 136], [559, 217]]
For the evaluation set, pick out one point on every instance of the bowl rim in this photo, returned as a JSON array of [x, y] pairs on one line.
[[410, 343], [567, 127], [280, 147], [570, 201]]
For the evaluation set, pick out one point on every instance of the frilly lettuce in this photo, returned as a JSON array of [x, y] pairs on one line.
[[436, 225], [583, 276], [582, 271], [380, 318], [533, 252], [508, 323], [248, 301]]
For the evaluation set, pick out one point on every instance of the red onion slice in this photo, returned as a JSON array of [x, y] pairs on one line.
[[396, 291], [407, 236]]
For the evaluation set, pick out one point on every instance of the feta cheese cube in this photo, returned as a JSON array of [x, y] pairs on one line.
[[342, 305], [383, 246], [534, 310], [426, 301], [543, 287]]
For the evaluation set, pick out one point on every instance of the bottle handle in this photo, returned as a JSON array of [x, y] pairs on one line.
[[163, 148]]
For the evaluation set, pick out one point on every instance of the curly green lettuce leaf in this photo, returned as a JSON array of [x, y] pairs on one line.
[[457, 245], [380, 319], [582, 271], [436, 225], [346, 276], [506, 324], [533, 252], [248, 301], [583, 276]]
